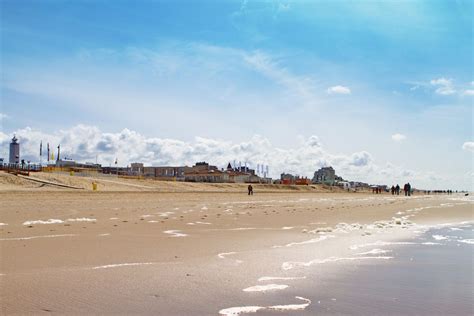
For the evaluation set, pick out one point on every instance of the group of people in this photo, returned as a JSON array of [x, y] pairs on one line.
[[406, 188], [376, 190], [449, 192]]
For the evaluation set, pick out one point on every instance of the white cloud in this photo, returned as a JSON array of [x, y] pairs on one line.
[[468, 92], [3, 116], [444, 86], [398, 137], [339, 90], [468, 146]]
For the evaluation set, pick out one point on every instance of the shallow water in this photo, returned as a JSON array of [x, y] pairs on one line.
[[421, 279]]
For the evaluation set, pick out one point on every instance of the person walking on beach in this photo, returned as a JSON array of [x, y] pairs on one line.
[[393, 190], [397, 189], [250, 189], [407, 189]]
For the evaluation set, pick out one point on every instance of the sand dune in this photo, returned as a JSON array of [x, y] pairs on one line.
[[112, 183]]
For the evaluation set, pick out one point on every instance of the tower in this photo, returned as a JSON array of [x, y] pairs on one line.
[[15, 151]]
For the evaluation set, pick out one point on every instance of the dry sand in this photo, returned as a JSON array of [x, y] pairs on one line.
[[9, 182], [189, 253]]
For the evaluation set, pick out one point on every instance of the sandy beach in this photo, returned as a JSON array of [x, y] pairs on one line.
[[131, 252]]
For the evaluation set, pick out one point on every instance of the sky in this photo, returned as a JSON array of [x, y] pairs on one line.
[[380, 90]]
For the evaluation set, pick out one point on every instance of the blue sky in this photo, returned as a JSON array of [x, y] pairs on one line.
[[393, 79]]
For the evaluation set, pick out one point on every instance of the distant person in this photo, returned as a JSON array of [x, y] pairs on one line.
[[405, 189], [397, 189], [250, 189], [392, 189], [409, 188]]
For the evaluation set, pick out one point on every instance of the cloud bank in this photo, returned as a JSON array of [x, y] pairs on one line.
[[88, 143]]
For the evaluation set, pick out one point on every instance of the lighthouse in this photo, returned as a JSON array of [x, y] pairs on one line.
[[15, 151]]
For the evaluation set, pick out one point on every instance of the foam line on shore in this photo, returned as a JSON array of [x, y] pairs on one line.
[[375, 251], [310, 241], [294, 264], [165, 214], [118, 265], [36, 237], [292, 307], [382, 243], [41, 222], [175, 233], [82, 219], [58, 221], [223, 255], [235, 311], [262, 279], [467, 241], [266, 287]]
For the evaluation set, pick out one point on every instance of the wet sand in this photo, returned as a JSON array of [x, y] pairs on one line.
[[199, 253]]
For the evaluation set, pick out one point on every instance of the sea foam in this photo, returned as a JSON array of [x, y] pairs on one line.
[[49, 221], [264, 288], [118, 265], [36, 237], [280, 278], [310, 241], [175, 233], [295, 264], [234, 311]]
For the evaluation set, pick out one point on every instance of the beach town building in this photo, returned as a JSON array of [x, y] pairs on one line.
[[120, 171], [325, 175], [287, 178], [171, 173], [70, 163], [14, 151], [243, 174], [136, 169], [203, 172], [200, 172]]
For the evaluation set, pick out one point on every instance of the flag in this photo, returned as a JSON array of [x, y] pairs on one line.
[[116, 161]]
